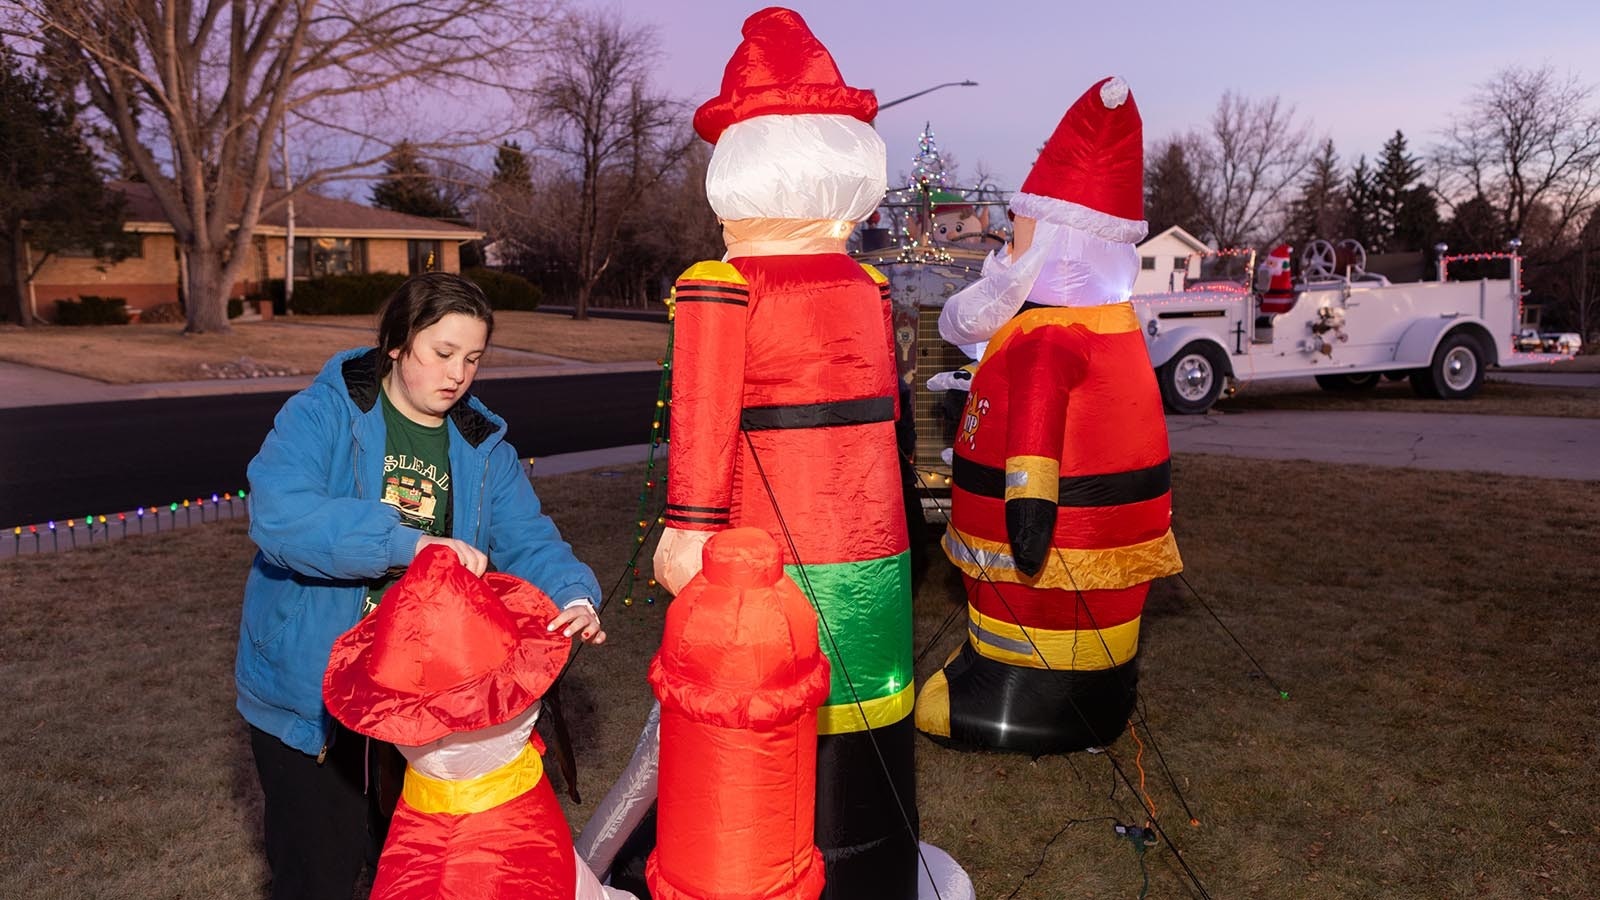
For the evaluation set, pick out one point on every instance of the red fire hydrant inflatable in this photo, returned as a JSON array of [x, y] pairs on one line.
[[740, 676]]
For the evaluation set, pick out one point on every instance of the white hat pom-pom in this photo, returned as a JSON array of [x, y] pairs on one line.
[[1114, 92]]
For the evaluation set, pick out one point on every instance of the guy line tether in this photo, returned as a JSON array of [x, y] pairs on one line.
[[1083, 605], [855, 697]]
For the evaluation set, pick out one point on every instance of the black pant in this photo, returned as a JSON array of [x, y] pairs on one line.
[[325, 821]]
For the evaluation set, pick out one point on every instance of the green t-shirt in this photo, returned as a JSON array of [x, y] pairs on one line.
[[416, 481]]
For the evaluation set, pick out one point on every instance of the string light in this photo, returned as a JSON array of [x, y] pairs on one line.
[[139, 513], [653, 484]]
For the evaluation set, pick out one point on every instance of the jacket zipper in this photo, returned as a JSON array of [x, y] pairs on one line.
[[355, 472]]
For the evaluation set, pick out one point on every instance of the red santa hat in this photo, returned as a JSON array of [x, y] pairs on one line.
[[1090, 174], [780, 68], [446, 651]]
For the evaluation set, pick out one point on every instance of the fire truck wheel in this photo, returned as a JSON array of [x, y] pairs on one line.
[[1192, 380], [1456, 372], [1349, 382]]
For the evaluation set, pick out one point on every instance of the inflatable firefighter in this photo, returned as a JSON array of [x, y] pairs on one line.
[[783, 409], [450, 669], [1061, 510]]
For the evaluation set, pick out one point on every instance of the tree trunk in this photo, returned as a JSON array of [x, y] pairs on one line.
[[207, 308], [580, 305], [16, 310]]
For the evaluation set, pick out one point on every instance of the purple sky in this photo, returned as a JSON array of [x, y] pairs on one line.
[[1356, 69]]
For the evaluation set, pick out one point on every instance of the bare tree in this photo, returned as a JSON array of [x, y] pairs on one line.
[[598, 114], [196, 92], [1527, 140], [1245, 166]]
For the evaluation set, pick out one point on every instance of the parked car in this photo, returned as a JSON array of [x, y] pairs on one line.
[[1562, 342]]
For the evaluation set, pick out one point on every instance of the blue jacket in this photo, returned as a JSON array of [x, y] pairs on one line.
[[323, 534]]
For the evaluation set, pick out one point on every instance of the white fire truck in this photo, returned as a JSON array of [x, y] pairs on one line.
[[1346, 327]]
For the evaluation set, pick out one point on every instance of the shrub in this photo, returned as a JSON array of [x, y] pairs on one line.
[[90, 310], [162, 313], [344, 294], [505, 290]]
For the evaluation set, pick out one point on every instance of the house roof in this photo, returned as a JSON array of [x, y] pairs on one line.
[[314, 214], [1176, 232]]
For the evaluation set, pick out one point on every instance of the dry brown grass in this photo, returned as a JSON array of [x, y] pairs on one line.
[[137, 354], [1433, 629], [590, 340], [1497, 398]]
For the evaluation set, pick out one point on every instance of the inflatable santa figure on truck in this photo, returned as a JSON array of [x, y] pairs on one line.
[[783, 408], [1061, 504]]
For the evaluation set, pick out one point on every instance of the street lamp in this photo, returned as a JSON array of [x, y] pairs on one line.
[[968, 83]]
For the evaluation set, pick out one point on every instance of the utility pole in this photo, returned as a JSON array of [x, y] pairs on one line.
[[288, 238]]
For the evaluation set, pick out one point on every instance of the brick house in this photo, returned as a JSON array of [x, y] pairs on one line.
[[332, 237]]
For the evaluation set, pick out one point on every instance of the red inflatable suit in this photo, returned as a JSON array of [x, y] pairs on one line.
[[450, 669], [1061, 498], [784, 396]]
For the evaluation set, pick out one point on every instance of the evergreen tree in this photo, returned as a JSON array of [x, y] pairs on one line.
[[511, 168], [408, 186], [1406, 217], [1361, 222], [1322, 207], [1170, 197], [51, 195], [1476, 227], [1417, 225]]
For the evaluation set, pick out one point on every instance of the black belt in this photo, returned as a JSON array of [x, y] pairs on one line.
[[1114, 489], [818, 415]]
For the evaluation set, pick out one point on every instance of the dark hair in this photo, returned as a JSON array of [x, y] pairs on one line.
[[420, 303]]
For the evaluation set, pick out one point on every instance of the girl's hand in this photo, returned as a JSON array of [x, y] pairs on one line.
[[579, 619], [474, 559]]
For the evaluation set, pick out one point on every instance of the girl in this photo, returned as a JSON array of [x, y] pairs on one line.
[[385, 453]]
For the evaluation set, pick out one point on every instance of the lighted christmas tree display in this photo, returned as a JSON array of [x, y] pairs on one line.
[[927, 167]]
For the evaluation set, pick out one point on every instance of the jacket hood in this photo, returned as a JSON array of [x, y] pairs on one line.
[[353, 374]]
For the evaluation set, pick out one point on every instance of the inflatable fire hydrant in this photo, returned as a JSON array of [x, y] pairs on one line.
[[740, 676]]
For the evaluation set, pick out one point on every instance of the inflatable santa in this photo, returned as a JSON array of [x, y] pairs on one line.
[[450, 669], [1061, 512], [783, 408], [1277, 276]]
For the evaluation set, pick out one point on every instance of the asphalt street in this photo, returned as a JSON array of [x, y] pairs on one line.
[[84, 448], [79, 459]]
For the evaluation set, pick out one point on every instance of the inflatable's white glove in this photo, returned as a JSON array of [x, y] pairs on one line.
[[977, 311], [958, 380], [678, 557]]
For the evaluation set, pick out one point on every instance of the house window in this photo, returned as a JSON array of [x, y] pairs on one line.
[[322, 256], [130, 245], [1181, 263], [1147, 263], [423, 256]]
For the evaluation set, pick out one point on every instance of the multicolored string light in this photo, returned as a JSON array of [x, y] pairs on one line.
[[102, 523], [655, 484]]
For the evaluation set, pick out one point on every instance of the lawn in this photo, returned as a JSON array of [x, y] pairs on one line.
[[135, 354], [1434, 632]]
